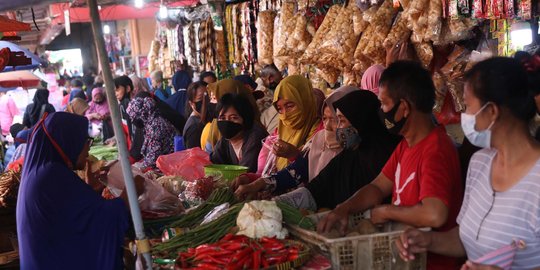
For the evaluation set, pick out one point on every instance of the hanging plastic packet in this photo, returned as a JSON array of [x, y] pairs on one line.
[[478, 8], [464, 8], [217, 212]]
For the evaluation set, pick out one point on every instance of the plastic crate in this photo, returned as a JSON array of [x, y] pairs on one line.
[[374, 251]]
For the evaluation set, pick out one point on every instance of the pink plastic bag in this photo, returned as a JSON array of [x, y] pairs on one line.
[[188, 164]]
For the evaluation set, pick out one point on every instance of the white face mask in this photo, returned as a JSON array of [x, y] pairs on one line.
[[480, 139]]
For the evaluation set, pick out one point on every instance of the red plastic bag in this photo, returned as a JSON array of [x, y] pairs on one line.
[[448, 114], [188, 164]]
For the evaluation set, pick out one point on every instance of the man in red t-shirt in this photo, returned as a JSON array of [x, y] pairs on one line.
[[422, 175]]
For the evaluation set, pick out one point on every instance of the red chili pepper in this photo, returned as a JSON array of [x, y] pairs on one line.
[[265, 262], [257, 259], [228, 237], [242, 254], [208, 266], [233, 246], [292, 257], [272, 240], [246, 262], [273, 247]]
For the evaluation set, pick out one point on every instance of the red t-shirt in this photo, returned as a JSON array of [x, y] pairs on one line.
[[430, 169]]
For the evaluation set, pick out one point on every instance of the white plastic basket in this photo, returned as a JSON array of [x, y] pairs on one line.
[[374, 251]]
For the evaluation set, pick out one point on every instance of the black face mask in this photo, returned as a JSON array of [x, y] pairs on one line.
[[387, 119], [273, 86], [198, 106], [229, 129]]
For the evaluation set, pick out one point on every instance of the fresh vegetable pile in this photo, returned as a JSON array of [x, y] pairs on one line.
[[240, 252], [104, 152], [208, 233], [213, 231]]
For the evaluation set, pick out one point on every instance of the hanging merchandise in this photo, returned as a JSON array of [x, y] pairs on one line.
[[206, 38], [382, 22], [153, 56], [286, 22], [311, 55], [265, 37], [398, 33], [342, 39]]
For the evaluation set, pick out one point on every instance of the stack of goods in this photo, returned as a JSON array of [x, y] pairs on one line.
[[241, 252], [265, 37], [153, 56], [190, 44], [206, 45], [312, 56], [220, 214], [238, 21], [285, 24]]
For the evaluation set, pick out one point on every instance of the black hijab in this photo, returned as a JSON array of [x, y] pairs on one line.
[[363, 116], [355, 168], [41, 100]]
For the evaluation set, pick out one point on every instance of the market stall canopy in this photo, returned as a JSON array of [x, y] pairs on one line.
[[8, 25], [107, 13], [35, 60], [20, 78]]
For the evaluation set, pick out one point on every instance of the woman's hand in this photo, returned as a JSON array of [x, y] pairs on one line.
[[249, 191], [95, 179], [240, 180], [474, 266], [285, 150], [413, 241]]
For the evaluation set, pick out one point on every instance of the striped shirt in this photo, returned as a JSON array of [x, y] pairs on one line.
[[491, 220]]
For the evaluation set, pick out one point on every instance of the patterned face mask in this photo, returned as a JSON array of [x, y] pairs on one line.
[[348, 137]]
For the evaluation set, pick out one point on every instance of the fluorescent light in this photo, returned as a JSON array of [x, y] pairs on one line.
[[521, 34], [163, 12], [139, 3], [99, 7], [106, 29]]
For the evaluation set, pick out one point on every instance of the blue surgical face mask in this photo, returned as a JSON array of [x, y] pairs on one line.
[[348, 137], [480, 139]]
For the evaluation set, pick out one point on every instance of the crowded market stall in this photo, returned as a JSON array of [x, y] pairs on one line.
[[200, 215]]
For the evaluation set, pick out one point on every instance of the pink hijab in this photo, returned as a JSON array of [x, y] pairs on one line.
[[370, 79], [103, 108]]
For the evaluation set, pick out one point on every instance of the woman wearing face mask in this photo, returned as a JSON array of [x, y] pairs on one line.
[[322, 149], [366, 148], [501, 203], [241, 138], [198, 114], [298, 120], [210, 134]]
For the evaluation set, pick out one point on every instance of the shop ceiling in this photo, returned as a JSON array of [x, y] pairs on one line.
[[47, 19]]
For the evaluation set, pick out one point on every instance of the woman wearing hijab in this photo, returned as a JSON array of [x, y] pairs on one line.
[[78, 106], [99, 109], [139, 85], [171, 115], [241, 139], [367, 145], [158, 132], [181, 81], [35, 111], [298, 120], [210, 134], [99, 113], [320, 150], [62, 221], [370, 79]]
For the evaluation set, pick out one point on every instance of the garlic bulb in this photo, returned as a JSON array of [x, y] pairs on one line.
[[259, 219]]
